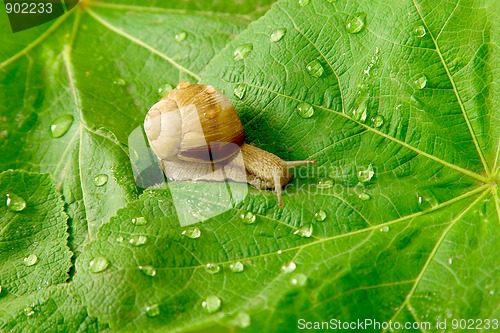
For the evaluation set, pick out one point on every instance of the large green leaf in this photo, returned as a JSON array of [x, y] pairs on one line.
[[402, 209]]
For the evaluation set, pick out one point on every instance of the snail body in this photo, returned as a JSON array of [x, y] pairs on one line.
[[196, 133]]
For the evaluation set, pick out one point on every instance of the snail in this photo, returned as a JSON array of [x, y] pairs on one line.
[[194, 131]]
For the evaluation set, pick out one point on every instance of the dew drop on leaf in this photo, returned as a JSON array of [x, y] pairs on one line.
[[147, 270], [356, 23], [29, 311], [320, 215], [288, 268], [366, 175], [242, 51], [98, 264], [139, 220], [324, 183], [315, 68], [191, 232], [61, 125], [420, 82], [419, 31], [304, 231], [30, 260], [364, 196], [248, 217], [450, 261], [164, 89], [239, 91], [14, 202], [100, 180], [212, 304], [152, 310], [181, 36], [303, 3], [298, 280], [138, 240], [119, 82], [237, 267], [384, 229], [305, 110], [426, 201], [360, 106], [378, 121], [278, 34], [119, 239], [212, 268], [242, 320]]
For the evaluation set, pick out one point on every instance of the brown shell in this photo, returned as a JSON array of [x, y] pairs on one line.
[[194, 122]]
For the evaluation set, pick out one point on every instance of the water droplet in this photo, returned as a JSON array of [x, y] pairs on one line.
[[192, 232], [304, 231], [420, 82], [325, 183], [147, 270], [364, 196], [0, 290], [120, 82], [242, 51], [248, 217], [298, 280], [139, 220], [164, 89], [366, 175], [419, 31], [212, 268], [212, 304], [98, 264], [15, 202], [384, 229], [356, 23], [278, 34], [378, 121], [119, 239], [320, 215], [279, 252], [305, 110], [152, 310], [239, 91], [303, 3], [492, 292], [372, 63], [426, 201], [242, 320], [360, 105], [31, 260], [288, 268], [450, 261], [237, 267], [100, 180], [138, 240], [29, 311], [180, 36], [315, 68], [61, 125]]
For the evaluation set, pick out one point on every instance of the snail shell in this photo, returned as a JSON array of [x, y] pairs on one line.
[[194, 123]]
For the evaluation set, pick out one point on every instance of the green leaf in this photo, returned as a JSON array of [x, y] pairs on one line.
[[33, 235], [403, 203]]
